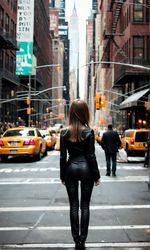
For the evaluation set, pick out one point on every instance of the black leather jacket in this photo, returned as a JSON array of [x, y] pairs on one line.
[[85, 148]]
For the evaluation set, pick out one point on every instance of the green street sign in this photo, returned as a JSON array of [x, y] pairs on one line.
[[24, 58]]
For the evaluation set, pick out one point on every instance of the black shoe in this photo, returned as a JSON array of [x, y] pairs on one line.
[[77, 245], [107, 174], [82, 245], [114, 174]]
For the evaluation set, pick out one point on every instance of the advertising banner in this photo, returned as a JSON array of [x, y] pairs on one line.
[[25, 25]]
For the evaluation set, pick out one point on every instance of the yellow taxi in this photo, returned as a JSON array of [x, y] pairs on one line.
[[49, 138], [55, 131], [134, 140], [24, 141]]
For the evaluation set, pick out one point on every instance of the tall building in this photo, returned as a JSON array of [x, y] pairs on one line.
[[8, 46], [13, 89], [125, 36], [63, 34], [74, 53], [57, 110], [41, 79]]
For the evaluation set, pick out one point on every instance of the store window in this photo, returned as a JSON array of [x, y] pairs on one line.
[[138, 11], [138, 49]]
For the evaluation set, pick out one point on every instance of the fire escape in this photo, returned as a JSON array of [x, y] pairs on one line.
[[6, 41], [109, 34]]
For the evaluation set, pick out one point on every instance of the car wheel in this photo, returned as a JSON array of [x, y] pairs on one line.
[[4, 158], [38, 156], [45, 153]]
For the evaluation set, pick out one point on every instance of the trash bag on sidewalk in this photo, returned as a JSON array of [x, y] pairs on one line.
[[122, 155]]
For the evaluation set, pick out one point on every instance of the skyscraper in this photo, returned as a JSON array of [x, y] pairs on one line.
[[63, 34], [74, 52]]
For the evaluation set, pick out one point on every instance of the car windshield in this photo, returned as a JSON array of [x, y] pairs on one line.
[[19, 132], [141, 136]]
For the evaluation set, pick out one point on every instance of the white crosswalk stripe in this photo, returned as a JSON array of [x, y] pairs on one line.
[[40, 181], [106, 245], [44, 169]]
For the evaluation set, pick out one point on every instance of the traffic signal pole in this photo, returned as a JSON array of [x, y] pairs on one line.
[[29, 105]]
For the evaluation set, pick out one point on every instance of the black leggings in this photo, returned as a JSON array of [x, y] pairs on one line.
[[79, 173]]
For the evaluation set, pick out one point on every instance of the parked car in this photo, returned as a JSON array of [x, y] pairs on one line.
[[134, 140], [24, 141], [49, 138]]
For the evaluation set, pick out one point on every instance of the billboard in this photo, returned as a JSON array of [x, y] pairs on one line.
[[25, 24]]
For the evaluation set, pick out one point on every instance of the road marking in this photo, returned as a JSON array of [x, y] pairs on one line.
[[66, 208], [126, 245], [23, 181], [66, 228], [44, 169]]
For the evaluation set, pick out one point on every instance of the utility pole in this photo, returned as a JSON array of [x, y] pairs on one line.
[[29, 105]]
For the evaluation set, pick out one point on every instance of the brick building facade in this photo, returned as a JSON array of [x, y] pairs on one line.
[[125, 36], [42, 50]]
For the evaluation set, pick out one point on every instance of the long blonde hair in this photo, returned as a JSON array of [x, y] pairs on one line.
[[78, 118]]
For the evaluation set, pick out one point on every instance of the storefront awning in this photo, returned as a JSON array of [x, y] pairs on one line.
[[132, 100]]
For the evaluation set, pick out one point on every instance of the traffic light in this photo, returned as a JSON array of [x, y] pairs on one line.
[[103, 101], [28, 100], [29, 111], [98, 100]]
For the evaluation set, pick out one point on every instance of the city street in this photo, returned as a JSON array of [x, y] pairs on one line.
[[34, 212]]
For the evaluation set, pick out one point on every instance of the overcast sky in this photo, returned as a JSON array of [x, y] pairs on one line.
[[83, 11]]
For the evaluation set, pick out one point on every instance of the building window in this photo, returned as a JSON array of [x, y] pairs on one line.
[[138, 11], [138, 49], [7, 61], [11, 64], [12, 28], [147, 11], [148, 49], [7, 23], [15, 5], [1, 58], [1, 17]]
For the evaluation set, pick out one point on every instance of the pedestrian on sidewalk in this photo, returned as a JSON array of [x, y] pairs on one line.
[[110, 143], [79, 171], [147, 153]]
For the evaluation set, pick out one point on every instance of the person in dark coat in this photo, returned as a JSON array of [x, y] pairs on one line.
[[111, 143], [147, 153], [78, 168]]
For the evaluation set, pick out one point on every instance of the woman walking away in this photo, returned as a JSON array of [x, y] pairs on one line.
[[79, 168]]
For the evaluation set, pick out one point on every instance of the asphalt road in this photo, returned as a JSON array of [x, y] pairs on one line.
[[34, 212]]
